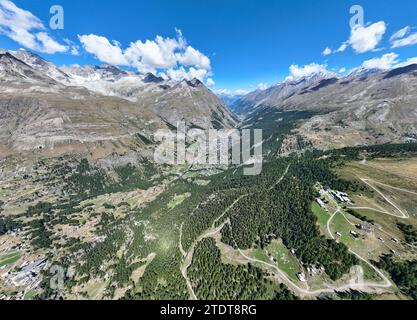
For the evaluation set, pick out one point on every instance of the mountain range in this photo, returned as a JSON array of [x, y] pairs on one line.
[[365, 107], [95, 110], [99, 110]]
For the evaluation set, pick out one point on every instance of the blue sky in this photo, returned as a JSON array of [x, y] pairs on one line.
[[237, 44]]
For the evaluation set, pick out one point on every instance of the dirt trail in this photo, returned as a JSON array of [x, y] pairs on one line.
[[280, 275], [403, 214], [188, 256]]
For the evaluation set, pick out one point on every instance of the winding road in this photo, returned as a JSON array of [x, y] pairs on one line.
[[280, 275], [188, 256]]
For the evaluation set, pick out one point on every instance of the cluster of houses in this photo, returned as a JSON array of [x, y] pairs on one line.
[[27, 277], [312, 271], [364, 228], [341, 196], [360, 227]]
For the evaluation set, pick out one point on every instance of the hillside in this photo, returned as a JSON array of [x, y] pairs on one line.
[[366, 107]]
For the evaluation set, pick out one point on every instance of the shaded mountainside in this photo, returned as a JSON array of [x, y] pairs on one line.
[[366, 107]]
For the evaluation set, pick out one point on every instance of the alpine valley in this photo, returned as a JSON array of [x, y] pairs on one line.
[[333, 215]]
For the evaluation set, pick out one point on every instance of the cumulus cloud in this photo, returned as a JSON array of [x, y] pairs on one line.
[[342, 70], [327, 51], [297, 72], [151, 55], [103, 49], [386, 62], [364, 39], [26, 29], [170, 57], [193, 57]]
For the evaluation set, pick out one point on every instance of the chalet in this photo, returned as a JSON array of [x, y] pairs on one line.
[[302, 277], [354, 234], [364, 228], [321, 204]]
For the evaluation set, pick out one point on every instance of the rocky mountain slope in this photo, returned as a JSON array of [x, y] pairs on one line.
[[93, 110], [188, 101]]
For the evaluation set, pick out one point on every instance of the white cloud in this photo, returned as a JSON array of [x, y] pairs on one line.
[[407, 41], [406, 63], [75, 52], [103, 50], [342, 70], [193, 57], [26, 29], [171, 57], [232, 93], [400, 33], [49, 45], [343, 47], [297, 72], [178, 74], [364, 39], [386, 62], [262, 86], [151, 55], [74, 49], [327, 51], [403, 38], [210, 82]]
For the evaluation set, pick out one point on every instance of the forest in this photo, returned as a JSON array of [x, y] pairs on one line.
[[403, 273], [214, 280], [254, 210]]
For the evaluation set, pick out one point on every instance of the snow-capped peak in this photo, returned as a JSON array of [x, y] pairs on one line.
[[40, 64]]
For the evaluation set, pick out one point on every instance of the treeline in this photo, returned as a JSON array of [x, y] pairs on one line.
[[285, 212], [403, 273], [162, 280], [371, 152], [8, 224], [283, 294], [203, 216], [88, 181], [410, 233], [41, 237], [213, 280], [354, 295], [359, 216]]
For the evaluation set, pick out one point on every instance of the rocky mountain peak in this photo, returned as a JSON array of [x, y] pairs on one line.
[[151, 78]]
